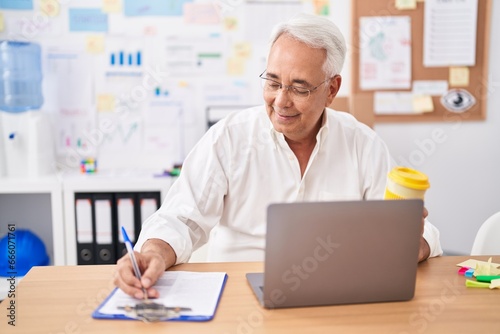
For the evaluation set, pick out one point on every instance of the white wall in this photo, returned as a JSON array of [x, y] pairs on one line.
[[464, 167]]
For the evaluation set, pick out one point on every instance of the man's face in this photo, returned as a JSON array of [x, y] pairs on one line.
[[294, 63]]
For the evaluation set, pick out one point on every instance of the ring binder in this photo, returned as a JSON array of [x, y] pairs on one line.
[[84, 229], [103, 219]]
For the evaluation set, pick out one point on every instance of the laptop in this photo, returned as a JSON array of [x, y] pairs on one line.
[[329, 253]]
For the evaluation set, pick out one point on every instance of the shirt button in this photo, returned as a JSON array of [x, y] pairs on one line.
[[291, 157]]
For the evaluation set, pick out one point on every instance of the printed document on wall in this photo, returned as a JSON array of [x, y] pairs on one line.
[[385, 52], [450, 33]]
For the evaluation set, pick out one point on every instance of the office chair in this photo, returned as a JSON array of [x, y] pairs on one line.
[[487, 241]]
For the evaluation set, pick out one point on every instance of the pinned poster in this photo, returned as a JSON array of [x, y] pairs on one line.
[[17, 4], [393, 103], [385, 52], [154, 7], [450, 33], [88, 19], [2, 23], [430, 87], [201, 13]]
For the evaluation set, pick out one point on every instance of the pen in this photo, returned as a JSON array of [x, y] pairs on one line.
[[130, 251]]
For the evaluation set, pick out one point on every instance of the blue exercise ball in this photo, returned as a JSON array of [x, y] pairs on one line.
[[19, 251]]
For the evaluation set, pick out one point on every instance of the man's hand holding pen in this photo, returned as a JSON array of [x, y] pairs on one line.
[[155, 257]]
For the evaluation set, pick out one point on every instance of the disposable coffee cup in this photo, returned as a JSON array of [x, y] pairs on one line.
[[406, 183]]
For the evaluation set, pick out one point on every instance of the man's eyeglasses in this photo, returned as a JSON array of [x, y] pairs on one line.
[[297, 93]]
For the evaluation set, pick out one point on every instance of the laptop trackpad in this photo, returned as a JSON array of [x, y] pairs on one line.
[[256, 281]]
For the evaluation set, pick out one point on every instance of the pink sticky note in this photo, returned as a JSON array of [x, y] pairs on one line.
[[462, 270]]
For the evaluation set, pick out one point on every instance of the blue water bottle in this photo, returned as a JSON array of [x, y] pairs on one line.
[[20, 76]]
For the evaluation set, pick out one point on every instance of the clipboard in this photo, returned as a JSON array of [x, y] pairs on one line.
[[213, 291]]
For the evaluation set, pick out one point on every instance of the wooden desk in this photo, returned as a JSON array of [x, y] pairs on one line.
[[60, 300]]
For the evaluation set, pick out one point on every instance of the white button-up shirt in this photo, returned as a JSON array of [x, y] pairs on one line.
[[242, 164]]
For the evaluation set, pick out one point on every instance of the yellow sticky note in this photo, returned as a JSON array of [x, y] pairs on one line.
[[495, 284], [2, 23], [230, 23], [474, 284], [471, 263], [50, 7], [405, 4], [459, 76], [95, 44], [112, 6], [242, 50], [105, 102], [423, 103], [235, 66]]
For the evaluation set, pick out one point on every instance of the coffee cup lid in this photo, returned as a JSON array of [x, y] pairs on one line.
[[410, 178]]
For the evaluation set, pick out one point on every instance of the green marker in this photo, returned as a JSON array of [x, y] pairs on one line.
[[487, 278]]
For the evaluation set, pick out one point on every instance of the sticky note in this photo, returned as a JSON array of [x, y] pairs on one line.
[[95, 44], [459, 76], [321, 7], [469, 273], [112, 6], [471, 263], [242, 50], [462, 270], [473, 284], [235, 66], [486, 269], [2, 22], [423, 103], [405, 4], [495, 284], [150, 30], [105, 102], [230, 23], [88, 19], [50, 7]]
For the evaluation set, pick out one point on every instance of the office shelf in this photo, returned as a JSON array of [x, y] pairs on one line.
[[45, 205], [35, 204], [108, 181]]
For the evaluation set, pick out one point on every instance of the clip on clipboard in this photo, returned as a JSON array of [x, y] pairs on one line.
[[195, 295]]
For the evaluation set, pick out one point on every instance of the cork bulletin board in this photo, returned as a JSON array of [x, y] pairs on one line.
[[361, 102]]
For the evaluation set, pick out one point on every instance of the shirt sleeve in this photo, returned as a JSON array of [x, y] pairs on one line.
[[431, 235], [377, 163], [194, 203]]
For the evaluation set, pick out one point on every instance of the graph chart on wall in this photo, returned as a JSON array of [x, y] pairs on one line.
[[68, 97]]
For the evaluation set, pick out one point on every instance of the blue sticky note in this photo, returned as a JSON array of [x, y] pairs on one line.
[[469, 273], [88, 19], [17, 4], [154, 7]]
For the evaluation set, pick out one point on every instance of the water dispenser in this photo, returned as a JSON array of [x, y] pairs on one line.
[[26, 144]]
